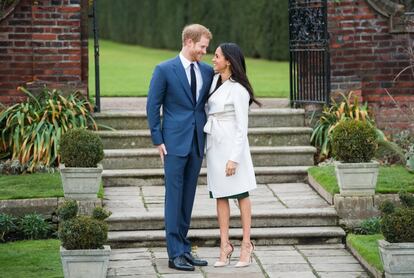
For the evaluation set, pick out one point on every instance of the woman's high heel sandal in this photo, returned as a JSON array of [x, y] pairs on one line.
[[247, 247], [226, 253]]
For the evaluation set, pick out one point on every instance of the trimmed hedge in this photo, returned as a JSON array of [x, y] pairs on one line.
[[260, 27]]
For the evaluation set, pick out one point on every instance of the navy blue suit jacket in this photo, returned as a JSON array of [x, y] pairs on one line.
[[170, 89]]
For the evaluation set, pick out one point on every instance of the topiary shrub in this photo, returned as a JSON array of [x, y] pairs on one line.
[[100, 213], [81, 148], [82, 232], [68, 210], [354, 141], [397, 224]]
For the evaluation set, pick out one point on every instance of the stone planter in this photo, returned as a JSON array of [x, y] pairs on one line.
[[397, 258], [85, 263], [81, 183], [357, 179]]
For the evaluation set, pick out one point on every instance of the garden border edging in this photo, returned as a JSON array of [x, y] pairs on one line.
[[44, 206]]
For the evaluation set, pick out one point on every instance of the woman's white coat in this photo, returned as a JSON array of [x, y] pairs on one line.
[[226, 129]]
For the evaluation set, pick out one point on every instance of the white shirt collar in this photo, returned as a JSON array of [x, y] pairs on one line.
[[186, 63]]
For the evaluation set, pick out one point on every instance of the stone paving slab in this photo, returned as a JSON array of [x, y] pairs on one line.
[[266, 198], [281, 261]]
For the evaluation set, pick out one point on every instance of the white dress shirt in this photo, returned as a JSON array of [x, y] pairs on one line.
[[187, 67]]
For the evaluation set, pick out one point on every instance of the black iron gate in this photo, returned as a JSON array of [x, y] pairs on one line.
[[309, 52]]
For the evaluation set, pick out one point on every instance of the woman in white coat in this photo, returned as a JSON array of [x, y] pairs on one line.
[[230, 173]]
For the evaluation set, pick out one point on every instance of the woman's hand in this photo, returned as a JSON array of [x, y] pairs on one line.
[[231, 168]]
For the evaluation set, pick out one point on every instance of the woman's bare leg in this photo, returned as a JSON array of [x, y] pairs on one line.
[[223, 216], [246, 220]]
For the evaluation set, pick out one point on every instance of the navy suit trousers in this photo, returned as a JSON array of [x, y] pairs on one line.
[[181, 174]]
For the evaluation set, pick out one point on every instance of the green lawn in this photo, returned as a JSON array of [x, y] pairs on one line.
[[391, 179], [34, 258], [125, 70], [367, 247], [38, 185]]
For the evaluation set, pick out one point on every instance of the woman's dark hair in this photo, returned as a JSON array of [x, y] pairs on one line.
[[234, 55]]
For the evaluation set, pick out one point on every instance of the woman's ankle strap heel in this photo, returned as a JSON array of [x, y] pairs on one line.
[[227, 255]]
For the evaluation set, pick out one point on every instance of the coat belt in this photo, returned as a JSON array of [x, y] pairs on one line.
[[211, 127]]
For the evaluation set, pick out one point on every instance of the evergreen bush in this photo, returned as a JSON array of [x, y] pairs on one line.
[[68, 210], [82, 232], [397, 224], [260, 27], [81, 148], [354, 141], [100, 213]]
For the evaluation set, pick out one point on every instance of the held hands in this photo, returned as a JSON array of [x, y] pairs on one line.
[[163, 152], [231, 168]]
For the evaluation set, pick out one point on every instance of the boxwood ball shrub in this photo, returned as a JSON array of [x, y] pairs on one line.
[[100, 213], [81, 148], [68, 210], [83, 232], [397, 224], [80, 231], [354, 141]]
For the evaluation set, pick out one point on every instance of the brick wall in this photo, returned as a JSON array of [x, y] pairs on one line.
[[43, 42], [367, 57]]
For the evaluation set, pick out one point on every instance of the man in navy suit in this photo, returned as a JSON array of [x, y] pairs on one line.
[[180, 85]]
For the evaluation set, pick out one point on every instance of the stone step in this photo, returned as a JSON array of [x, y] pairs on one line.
[[133, 120], [130, 220], [140, 177], [210, 237], [261, 136], [262, 156]]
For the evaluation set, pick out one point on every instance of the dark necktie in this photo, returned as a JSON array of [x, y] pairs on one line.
[[193, 83]]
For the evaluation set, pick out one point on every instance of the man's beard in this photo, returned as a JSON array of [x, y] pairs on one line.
[[195, 56]]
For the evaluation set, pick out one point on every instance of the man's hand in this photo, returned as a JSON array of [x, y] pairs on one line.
[[163, 151], [231, 168]]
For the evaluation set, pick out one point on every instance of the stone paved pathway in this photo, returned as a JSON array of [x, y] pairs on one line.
[[290, 261], [266, 198]]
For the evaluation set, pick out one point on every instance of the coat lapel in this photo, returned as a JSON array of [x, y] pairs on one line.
[[180, 72]]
